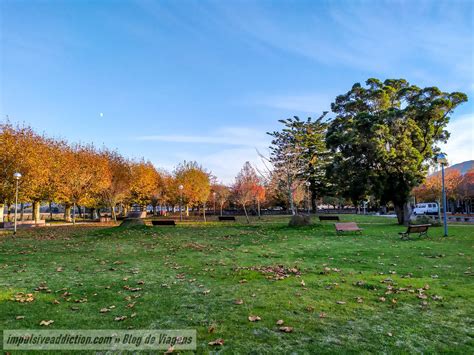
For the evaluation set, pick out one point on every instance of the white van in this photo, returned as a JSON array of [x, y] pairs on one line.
[[426, 208]]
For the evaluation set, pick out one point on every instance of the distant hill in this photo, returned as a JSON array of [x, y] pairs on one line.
[[463, 167]]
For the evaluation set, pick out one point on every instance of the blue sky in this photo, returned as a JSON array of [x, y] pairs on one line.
[[204, 80]]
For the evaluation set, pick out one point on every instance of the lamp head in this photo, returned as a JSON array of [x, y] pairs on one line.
[[307, 183], [442, 159], [180, 187], [17, 176]]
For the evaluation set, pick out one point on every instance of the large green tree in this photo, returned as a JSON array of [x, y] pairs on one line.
[[385, 135]]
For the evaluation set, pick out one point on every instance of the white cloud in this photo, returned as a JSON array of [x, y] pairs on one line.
[[310, 102], [238, 136], [460, 146]]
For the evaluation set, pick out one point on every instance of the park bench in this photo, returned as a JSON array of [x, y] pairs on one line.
[[347, 227], [421, 229], [164, 222], [329, 218], [227, 218]]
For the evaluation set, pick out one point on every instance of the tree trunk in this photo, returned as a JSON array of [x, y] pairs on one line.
[[222, 205], [36, 211], [2, 208], [50, 210], [112, 213], [246, 214], [67, 212], [204, 212], [125, 210], [313, 201], [74, 213], [258, 208], [187, 211], [403, 212]]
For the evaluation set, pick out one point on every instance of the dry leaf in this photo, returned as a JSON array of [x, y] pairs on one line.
[[280, 322], [286, 329], [46, 322], [302, 283], [254, 318], [239, 301], [217, 342], [20, 317], [340, 302], [119, 319], [322, 315], [382, 299]]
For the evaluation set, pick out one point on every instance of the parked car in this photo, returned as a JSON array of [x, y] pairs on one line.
[[426, 208]]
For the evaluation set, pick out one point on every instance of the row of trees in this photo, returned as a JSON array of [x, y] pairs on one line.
[[378, 147], [82, 175], [459, 187]]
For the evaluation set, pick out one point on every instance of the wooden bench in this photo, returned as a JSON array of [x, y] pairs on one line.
[[226, 218], [421, 229], [329, 218], [347, 227], [164, 222]]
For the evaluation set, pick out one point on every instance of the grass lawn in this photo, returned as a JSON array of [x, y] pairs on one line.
[[350, 293]]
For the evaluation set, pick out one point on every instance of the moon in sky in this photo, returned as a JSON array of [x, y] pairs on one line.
[[101, 114]]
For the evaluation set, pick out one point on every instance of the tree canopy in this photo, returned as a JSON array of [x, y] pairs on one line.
[[384, 137]]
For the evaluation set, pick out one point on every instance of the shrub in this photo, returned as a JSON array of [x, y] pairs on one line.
[[300, 220]]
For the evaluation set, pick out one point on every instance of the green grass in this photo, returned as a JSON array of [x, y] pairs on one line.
[[179, 265]]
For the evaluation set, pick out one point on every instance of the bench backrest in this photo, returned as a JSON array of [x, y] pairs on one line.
[[419, 228], [164, 223], [329, 218], [348, 226]]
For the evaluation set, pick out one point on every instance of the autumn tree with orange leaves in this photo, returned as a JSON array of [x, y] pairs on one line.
[[196, 185]]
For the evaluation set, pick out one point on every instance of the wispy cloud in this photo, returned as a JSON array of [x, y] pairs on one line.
[[237, 136], [309, 102], [460, 146]]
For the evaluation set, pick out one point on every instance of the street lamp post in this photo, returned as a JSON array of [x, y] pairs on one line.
[[17, 177], [180, 187], [442, 160], [308, 198]]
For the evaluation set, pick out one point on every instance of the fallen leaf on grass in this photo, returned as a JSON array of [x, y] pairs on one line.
[[46, 322], [104, 310], [254, 318], [19, 317], [340, 302], [217, 342], [280, 322], [22, 298], [119, 319], [205, 292], [302, 283], [382, 299], [359, 299], [322, 315], [239, 301], [286, 329]]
